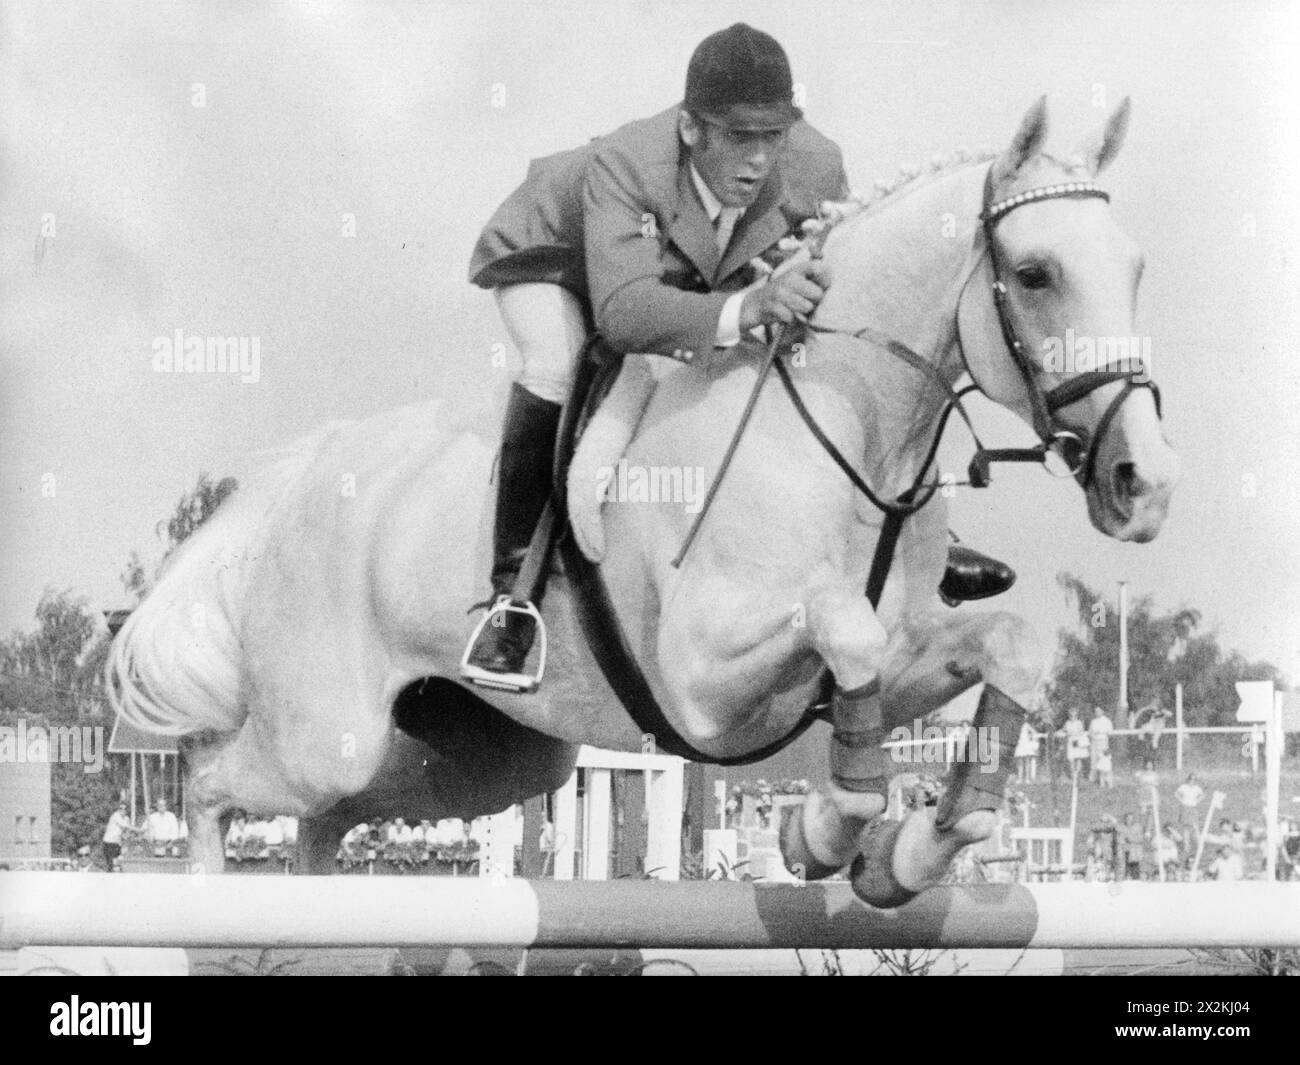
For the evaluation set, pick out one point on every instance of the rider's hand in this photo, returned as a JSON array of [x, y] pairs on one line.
[[793, 294]]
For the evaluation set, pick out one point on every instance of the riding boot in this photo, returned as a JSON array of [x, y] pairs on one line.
[[523, 486], [972, 575]]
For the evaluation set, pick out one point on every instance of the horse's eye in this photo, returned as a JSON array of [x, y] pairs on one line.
[[1033, 276]]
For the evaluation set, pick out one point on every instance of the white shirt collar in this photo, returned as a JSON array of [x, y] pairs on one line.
[[712, 205]]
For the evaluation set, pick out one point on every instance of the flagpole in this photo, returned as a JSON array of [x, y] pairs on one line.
[[1122, 712]]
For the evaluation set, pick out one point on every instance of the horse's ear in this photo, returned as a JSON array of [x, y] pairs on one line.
[[1099, 150], [1028, 139]]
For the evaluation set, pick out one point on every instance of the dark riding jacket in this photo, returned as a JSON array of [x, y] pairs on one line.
[[618, 222]]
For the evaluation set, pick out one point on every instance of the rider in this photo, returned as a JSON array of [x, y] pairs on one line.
[[646, 236]]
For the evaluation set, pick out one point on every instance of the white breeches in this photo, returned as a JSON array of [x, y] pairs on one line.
[[547, 325]]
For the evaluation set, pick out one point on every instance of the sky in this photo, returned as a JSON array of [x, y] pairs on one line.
[[315, 176]]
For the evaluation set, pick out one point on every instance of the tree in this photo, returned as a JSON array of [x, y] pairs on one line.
[[191, 511], [56, 670], [53, 676], [1164, 649]]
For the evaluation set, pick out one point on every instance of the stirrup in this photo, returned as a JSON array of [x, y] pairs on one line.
[[521, 683]]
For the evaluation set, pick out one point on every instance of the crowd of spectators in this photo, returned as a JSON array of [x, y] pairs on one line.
[[1133, 849], [408, 846], [161, 834], [252, 839]]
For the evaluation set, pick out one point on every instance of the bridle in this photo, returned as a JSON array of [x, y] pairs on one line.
[[1075, 447]]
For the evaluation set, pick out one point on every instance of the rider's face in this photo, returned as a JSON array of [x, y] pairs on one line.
[[733, 160]]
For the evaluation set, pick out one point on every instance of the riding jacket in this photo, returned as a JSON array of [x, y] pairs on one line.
[[619, 223]]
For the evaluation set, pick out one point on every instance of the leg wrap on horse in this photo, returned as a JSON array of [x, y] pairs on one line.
[[980, 784], [858, 762]]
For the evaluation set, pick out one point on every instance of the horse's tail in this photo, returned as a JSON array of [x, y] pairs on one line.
[[175, 667]]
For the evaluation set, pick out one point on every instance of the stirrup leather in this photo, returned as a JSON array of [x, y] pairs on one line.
[[523, 682]]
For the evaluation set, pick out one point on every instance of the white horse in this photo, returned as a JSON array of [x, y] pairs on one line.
[[325, 600]]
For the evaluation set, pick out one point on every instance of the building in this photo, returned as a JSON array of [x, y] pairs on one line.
[[24, 811]]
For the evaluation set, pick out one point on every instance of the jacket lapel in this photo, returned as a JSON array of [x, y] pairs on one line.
[[690, 228], [758, 229]]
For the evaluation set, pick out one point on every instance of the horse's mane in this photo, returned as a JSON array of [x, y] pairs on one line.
[[885, 192]]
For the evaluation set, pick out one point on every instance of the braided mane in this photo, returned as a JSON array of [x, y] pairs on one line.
[[833, 212]]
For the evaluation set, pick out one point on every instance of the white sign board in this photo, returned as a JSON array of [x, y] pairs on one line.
[[1256, 701]]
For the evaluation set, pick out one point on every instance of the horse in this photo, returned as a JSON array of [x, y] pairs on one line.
[[323, 604]]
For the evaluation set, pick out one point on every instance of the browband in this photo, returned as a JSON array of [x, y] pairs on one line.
[[1045, 192]]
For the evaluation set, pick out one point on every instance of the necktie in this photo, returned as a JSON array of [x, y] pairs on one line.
[[724, 225]]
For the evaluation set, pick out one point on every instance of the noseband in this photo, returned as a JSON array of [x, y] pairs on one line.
[[1075, 447]]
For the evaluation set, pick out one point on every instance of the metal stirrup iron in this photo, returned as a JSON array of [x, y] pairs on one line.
[[526, 589]]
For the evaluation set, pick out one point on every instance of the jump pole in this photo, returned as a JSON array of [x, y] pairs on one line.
[[103, 909]]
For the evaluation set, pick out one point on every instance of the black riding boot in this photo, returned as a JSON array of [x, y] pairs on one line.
[[523, 486], [971, 575]]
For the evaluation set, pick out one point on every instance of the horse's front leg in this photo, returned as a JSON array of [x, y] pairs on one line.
[[936, 660], [824, 834]]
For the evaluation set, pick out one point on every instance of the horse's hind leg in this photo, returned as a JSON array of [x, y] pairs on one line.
[[319, 837], [224, 773], [205, 819]]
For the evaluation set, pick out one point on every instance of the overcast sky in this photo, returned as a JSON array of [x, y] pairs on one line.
[[127, 212]]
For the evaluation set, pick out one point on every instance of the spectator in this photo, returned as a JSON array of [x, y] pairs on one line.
[[254, 847], [1076, 742], [1099, 730], [273, 836], [1227, 865], [85, 863], [1154, 726], [118, 820], [1027, 754], [355, 846], [235, 835], [734, 802], [1168, 851], [162, 829], [1105, 770], [1132, 842], [1102, 842], [1223, 836], [1148, 777], [1288, 867], [424, 838], [1189, 795]]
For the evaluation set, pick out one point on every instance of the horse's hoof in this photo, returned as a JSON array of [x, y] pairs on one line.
[[872, 874], [796, 853]]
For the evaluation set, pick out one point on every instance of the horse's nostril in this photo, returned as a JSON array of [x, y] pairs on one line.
[[1126, 481]]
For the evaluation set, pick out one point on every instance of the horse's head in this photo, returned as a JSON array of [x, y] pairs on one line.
[[1062, 350]]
